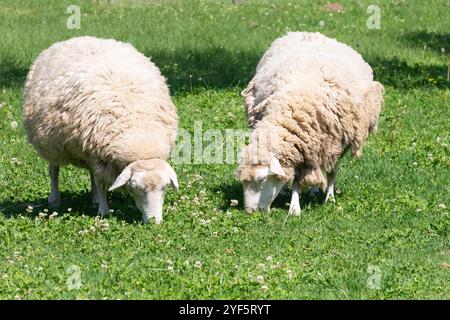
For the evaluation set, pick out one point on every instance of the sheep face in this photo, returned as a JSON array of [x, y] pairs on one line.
[[261, 184], [147, 181]]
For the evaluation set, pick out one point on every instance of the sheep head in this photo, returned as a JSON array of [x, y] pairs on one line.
[[261, 183], [147, 181]]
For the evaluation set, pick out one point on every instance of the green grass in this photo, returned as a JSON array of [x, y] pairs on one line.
[[392, 208]]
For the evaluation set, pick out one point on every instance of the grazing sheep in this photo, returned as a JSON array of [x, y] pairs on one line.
[[312, 98], [101, 105]]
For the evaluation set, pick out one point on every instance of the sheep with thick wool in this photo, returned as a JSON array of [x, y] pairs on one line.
[[101, 105], [311, 99]]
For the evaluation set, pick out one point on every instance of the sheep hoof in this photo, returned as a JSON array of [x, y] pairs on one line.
[[295, 210], [329, 196], [102, 212], [54, 200]]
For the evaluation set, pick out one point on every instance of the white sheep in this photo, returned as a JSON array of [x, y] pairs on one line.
[[311, 99], [101, 105]]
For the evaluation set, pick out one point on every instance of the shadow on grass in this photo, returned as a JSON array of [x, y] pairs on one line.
[[12, 74], [211, 68], [75, 204], [234, 191], [185, 70], [432, 40], [220, 68], [401, 75]]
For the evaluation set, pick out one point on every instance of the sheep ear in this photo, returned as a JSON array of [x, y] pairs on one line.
[[275, 168], [122, 179], [173, 178]]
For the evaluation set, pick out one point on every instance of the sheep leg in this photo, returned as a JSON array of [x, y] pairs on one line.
[[54, 198], [330, 188], [294, 207], [330, 193], [101, 198], [95, 191]]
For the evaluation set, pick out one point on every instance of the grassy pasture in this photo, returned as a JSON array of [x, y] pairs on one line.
[[390, 221]]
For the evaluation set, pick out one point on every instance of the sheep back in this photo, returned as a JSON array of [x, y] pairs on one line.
[[318, 99], [98, 103]]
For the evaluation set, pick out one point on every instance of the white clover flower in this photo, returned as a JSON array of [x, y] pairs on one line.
[[289, 273], [102, 224], [204, 222], [14, 124], [234, 203], [276, 266], [264, 287], [261, 266], [198, 264], [42, 215], [321, 23], [53, 215], [260, 279], [105, 226]]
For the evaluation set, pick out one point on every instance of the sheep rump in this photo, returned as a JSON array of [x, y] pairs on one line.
[[98, 104], [316, 98]]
